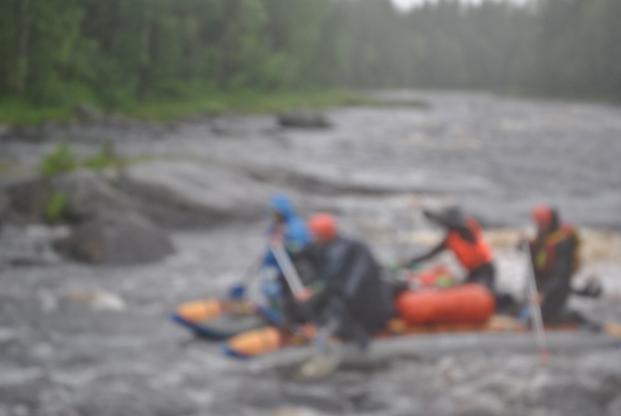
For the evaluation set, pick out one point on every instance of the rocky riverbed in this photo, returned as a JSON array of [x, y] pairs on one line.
[[96, 340]]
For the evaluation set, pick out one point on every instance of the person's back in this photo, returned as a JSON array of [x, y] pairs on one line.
[[351, 273], [354, 293]]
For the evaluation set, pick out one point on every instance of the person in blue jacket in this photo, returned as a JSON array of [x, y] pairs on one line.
[[290, 231], [287, 228]]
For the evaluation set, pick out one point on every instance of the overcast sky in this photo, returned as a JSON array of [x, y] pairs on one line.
[[404, 4]]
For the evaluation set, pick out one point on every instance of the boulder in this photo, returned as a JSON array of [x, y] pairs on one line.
[[303, 120], [4, 131], [172, 195], [117, 239], [33, 134], [184, 193], [87, 112], [86, 195], [4, 206]]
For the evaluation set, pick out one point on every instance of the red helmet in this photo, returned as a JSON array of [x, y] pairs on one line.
[[544, 216], [323, 227]]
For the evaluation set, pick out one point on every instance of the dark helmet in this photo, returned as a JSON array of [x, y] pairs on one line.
[[451, 217]]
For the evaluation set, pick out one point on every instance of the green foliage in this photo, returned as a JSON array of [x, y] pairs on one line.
[[57, 207], [61, 160], [242, 101], [124, 54], [104, 159]]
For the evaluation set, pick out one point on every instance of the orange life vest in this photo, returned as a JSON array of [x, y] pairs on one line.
[[471, 255], [545, 254]]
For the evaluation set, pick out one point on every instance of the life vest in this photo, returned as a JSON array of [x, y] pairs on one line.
[[471, 255], [545, 254]]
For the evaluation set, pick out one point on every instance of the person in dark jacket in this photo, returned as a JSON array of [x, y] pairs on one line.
[[464, 238], [354, 299], [554, 255]]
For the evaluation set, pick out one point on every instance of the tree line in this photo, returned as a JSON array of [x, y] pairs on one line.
[[110, 51]]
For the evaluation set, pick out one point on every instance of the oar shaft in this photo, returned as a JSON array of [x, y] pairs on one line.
[[535, 309], [288, 269]]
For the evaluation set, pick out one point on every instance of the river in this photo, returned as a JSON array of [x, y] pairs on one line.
[[95, 341]]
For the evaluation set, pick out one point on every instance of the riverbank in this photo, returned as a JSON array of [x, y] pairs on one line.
[[209, 102]]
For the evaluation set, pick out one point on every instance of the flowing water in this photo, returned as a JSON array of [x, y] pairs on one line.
[[82, 340]]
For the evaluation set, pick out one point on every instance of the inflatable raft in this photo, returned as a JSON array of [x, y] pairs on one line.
[[457, 309], [219, 319]]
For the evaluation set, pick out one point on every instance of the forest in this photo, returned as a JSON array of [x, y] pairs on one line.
[[114, 52]]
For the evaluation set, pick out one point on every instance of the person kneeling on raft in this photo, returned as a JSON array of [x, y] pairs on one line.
[[354, 303], [464, 238], [288, 230]]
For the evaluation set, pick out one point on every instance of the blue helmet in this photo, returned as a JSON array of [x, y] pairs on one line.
[[282, 205]]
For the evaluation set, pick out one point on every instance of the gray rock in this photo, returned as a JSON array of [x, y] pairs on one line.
[[34, 134], [304, 120], [173, 195], [117, 239], [88, 195], [183, 193], [4, 131], [87, 112], [4, 206], [91, 195]]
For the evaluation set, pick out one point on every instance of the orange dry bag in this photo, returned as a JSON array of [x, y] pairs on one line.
[[466, 304]]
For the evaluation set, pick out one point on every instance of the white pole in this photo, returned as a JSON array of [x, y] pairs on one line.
[[288, 270], [535, 309]]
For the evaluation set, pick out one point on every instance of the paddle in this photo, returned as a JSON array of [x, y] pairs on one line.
[[535, 310], [238, 290]]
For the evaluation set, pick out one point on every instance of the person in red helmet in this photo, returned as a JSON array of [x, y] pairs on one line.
[[555, 258], [464, 238], [354, 300]]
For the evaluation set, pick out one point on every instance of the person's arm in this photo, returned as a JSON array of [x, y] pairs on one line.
[[428, 255], [333, 266]]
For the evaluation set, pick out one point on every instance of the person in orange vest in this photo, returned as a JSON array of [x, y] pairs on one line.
[[464, 238], [554, 255]]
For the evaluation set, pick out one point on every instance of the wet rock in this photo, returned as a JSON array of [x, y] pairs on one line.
[[117, 239], [91, 195], [186, 192], [4, 206], [86, 195], [34, 134], [87, 112], [172, 195], [304, 120], [170, 207], [4, 131]]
